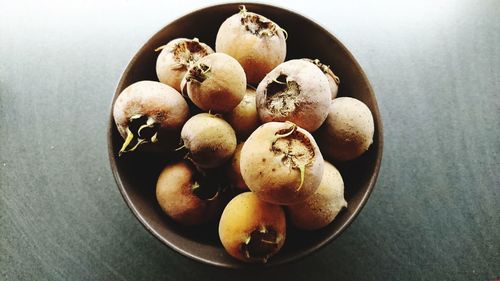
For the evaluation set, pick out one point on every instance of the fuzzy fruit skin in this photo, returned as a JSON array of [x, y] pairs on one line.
[[244, 118], [348, 130], [234, 172], [322, 207], [224, 87], [168, 69], [311, 104], [156, 100], [334, 87], [265, 173], [175, 196], [257, 55], [244, 214], [210, 140]]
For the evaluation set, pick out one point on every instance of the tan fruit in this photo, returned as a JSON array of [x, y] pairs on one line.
[[256, 42], [216, 83], [348, 131], [185, 198], [209, 139], [322, 207], [244, 118], [295, 91], [281, 163], [149, 112], [234, 172], [176, 57], [252, 230]]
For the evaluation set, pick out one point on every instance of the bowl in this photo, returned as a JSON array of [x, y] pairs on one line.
[[136, 175]]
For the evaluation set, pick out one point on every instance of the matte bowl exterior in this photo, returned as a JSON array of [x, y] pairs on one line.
[[136, 175]]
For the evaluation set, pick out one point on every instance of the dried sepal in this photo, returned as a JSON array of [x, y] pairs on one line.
[[147, 131], [198, 73], [260, 244]]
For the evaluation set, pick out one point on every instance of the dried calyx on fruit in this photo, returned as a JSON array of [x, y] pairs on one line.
[[141, 129], [294, 148], [281, 95], [259, 25], [296, 91], [261, 244], [281, 163], [216, 82], [149, 112], [198, 73], [207, 186], [186, 52], [176, 57], [252, 230]]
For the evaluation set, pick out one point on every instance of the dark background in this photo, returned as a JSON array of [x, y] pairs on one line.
[[434, 213]]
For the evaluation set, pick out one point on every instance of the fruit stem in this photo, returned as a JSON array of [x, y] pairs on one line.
[[214, 115], [130, 137], [302, 169], [180, 147], [284, 33], [243, 9], [203, 191], [336, 78], [279, 82], [327, 70], [154, 138], [139, 142], [292, 129], [177, 66], [213, 197], [160, 48], [195, 186]]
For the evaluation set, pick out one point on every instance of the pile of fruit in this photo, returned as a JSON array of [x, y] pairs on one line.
[[256, 141]]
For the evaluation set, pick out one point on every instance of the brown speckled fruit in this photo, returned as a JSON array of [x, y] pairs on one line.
[[184, 197], [295, 91], [322, 207], [348, 131], [252, 230], [176, 57], [209, 139], [281, 163], [149, 112], [215, 83], [256, 42]]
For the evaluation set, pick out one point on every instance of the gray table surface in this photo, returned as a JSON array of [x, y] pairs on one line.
[[434, 214]]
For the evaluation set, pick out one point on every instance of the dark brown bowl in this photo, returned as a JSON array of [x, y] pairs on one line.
[[136, 174]]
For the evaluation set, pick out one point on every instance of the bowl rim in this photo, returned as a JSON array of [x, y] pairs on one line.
[[241, 265]]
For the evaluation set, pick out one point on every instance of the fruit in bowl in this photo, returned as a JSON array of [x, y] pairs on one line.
[[156, 182]]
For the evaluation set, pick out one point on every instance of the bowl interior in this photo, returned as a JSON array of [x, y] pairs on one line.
[[136, 174]]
